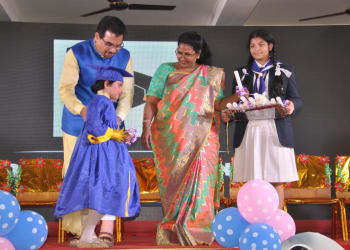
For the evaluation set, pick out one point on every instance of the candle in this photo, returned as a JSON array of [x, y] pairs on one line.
[[238, 80]]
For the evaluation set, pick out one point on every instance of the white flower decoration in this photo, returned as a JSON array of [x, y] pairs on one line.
[[278, 70]]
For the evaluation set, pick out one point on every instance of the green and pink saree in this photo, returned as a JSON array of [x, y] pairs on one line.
[[185, 143]]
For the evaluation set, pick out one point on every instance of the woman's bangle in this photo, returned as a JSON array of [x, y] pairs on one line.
[[147, 124]]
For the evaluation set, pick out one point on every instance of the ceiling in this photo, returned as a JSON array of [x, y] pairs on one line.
[[187, 12]]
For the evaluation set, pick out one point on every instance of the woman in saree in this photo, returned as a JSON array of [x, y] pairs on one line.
[[181, 123]]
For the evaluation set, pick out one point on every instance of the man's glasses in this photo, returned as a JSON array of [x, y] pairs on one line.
[[111, 45], [185, 54]]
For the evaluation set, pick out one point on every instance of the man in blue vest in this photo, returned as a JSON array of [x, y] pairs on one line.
[[105, 48]]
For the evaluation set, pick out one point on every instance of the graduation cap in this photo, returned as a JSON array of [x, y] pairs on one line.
[[111, 73]]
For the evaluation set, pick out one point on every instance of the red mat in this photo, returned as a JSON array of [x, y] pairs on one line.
[[142, 234]]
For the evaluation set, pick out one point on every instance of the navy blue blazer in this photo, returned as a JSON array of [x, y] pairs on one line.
[[283, 125]]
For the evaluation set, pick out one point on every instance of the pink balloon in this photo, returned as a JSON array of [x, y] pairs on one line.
[[6, 244], [283, 223], [257, 201]]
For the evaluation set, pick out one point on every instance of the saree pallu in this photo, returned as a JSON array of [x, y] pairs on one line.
[[185, 143]]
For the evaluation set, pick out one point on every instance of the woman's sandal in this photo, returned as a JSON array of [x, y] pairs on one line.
[[107, 238]]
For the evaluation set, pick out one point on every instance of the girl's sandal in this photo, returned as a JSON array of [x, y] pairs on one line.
[[97, 243], [107, 238], [74, 241]]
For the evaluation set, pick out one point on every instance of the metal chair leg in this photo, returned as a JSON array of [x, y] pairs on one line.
[[118, 229], [334, 227], [343, 220], [285, 206], [60, 232]]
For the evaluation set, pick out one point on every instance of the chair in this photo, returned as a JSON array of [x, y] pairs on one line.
[[221, 183], [342, 185], [39, 183], [233, 188], [313, 186], [5, 175], [147, 179]]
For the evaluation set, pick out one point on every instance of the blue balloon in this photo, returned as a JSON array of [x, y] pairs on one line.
[[260, 236], [9, 212], [227, 227], [30, 231]]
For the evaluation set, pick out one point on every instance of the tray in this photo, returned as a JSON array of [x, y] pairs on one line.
[[266, 112]]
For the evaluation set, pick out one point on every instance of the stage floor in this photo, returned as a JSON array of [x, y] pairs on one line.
[[142, 234]]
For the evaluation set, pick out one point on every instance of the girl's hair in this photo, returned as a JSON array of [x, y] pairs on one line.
[[100, 84], [193, 39], [266, 36]]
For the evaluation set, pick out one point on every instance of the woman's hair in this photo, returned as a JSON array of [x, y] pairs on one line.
[[100, 84], [266, 36], [193, 39]]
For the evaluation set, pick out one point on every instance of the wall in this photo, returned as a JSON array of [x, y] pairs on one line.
[[319, 56]]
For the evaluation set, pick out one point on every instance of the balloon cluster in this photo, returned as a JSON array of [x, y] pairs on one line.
[[20, 229], [256, 223]]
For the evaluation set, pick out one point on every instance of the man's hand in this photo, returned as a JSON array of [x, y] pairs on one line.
[[83, 113], [119, 121]]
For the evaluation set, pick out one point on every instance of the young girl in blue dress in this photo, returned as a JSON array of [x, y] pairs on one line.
[[101, 177], [264, 149]]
